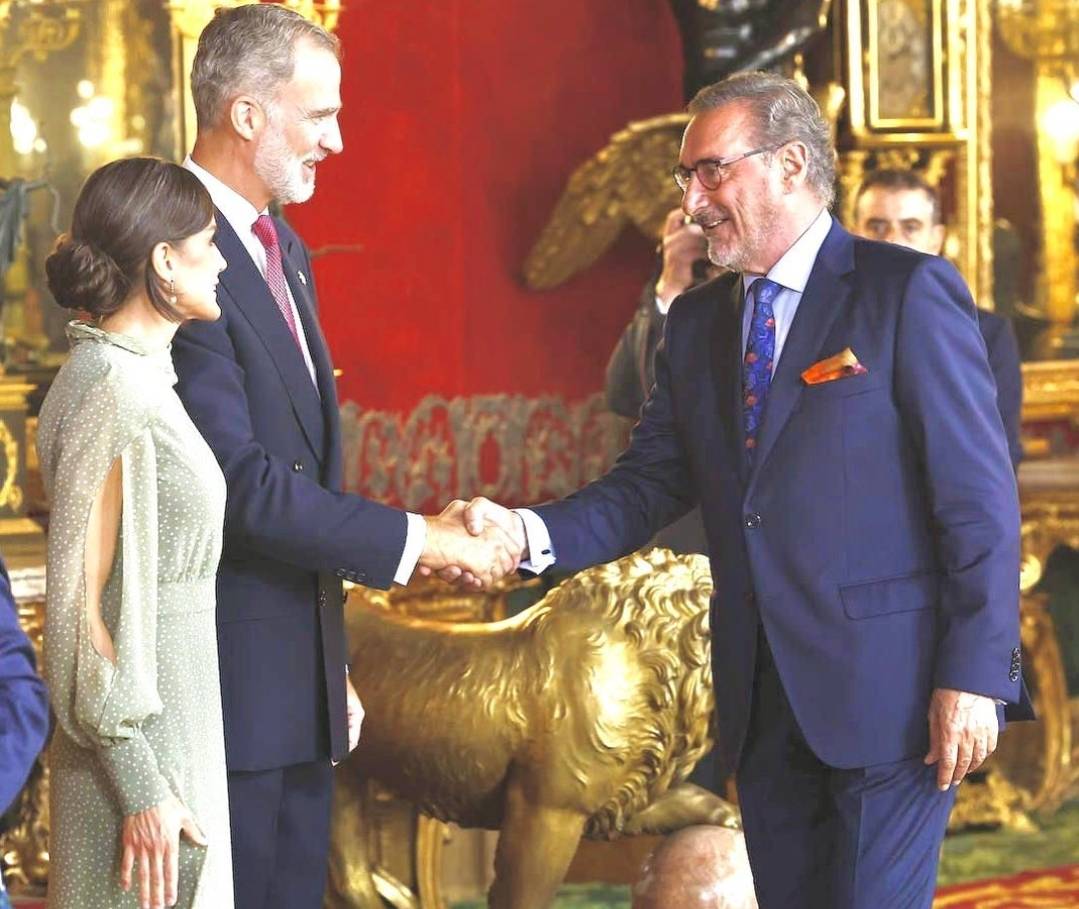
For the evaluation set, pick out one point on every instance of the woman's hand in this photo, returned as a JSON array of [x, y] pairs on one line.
[[151, 839]]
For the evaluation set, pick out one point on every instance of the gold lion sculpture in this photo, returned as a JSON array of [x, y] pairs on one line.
[[582, 715]]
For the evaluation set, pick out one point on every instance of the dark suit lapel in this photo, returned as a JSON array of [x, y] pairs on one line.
[[823, 299], [245, 284], [295, 263], [727, 366]]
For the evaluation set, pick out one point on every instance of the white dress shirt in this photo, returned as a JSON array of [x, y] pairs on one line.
[[241, 216], [792, 272]]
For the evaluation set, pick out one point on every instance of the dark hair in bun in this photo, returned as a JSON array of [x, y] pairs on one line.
[[124, 210]]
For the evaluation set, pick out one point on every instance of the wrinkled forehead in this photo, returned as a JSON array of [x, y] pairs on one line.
[[719, 133]]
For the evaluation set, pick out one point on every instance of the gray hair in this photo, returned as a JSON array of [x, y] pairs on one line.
[[249, 50], [782, 111]]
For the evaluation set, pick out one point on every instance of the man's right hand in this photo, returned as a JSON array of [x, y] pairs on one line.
[[455, 554], [683, 244], [152, 839]]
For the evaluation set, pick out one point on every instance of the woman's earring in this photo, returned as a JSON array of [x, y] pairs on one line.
[[172, 291]]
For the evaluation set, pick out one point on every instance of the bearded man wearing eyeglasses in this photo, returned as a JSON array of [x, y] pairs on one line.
[[829, 405]]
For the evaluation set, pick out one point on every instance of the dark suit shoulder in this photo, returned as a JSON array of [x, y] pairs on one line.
[[887, 260], [993, 326]]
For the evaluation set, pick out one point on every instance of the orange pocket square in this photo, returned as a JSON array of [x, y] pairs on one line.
[[840, 366]]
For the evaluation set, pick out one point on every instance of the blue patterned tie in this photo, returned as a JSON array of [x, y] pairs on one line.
[[757, 364]]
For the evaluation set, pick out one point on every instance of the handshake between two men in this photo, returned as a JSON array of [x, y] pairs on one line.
[[473, 543]]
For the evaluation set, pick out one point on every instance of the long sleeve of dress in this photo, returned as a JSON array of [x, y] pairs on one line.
[[101, 705]]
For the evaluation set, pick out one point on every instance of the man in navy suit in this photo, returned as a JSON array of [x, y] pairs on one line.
[[830, 406], [899, 206], [259, 385]]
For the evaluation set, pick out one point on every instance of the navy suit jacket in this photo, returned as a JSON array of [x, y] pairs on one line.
[[630, 372], [876, 537], [24, 704], [291, 535]]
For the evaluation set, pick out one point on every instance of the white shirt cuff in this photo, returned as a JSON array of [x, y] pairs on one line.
[[540, 553], [415, 540]]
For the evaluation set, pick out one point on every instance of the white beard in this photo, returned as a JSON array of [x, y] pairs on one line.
[[279, 168]]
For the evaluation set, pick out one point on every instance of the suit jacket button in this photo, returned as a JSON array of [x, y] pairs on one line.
[[753, 521], [322, 598], [297, 466]]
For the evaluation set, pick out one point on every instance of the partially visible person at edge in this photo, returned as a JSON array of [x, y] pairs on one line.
[[683, 263], [137, 797], [259, 385], [899, 206], [24, 705]]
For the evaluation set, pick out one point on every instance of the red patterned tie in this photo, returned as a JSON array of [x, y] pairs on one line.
[[266, 231]]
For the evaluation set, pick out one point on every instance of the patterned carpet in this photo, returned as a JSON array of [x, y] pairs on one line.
[[995, 870], [1056, 888]]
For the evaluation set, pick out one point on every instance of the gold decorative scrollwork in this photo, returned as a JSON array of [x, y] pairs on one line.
[[11, 494], [189, 17], [1050, 390], [626, 182], [40, 27]]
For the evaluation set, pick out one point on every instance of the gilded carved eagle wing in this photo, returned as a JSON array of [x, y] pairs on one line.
[[628, 181]]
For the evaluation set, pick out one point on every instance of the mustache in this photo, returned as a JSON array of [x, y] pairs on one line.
[[703, 216]]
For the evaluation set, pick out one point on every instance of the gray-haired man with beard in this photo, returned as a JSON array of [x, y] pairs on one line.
[[259, 385]]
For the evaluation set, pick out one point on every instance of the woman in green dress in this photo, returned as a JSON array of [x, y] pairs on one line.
[[138, 800]]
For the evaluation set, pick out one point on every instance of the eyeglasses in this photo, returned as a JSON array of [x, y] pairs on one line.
[[713, 171]]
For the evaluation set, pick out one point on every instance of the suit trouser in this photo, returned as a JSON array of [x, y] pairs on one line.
[[823, 838], [280, 822]]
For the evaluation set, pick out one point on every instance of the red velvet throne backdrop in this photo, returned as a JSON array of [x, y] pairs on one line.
[[461, 124]]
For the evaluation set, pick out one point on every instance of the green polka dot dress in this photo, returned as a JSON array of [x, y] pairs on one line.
[[131, 734]]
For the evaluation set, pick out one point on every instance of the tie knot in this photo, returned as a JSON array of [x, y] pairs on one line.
[[266, 231], [765, 291]]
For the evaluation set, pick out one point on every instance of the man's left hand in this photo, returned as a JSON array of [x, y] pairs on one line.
[[355, 714], [962, 734]]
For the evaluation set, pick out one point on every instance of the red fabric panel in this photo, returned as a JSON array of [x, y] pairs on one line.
[[462, 121]]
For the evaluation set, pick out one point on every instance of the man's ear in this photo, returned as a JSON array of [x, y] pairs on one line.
[[794, 162], [247, 116]]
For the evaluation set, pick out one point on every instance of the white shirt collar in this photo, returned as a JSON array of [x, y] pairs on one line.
[[240, 213], [794, 266]]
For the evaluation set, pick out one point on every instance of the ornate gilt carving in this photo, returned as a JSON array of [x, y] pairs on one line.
[[627, 182], [584, 713], [1050, 390]]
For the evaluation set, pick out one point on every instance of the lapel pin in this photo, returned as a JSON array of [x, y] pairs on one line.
[[303, 280]]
